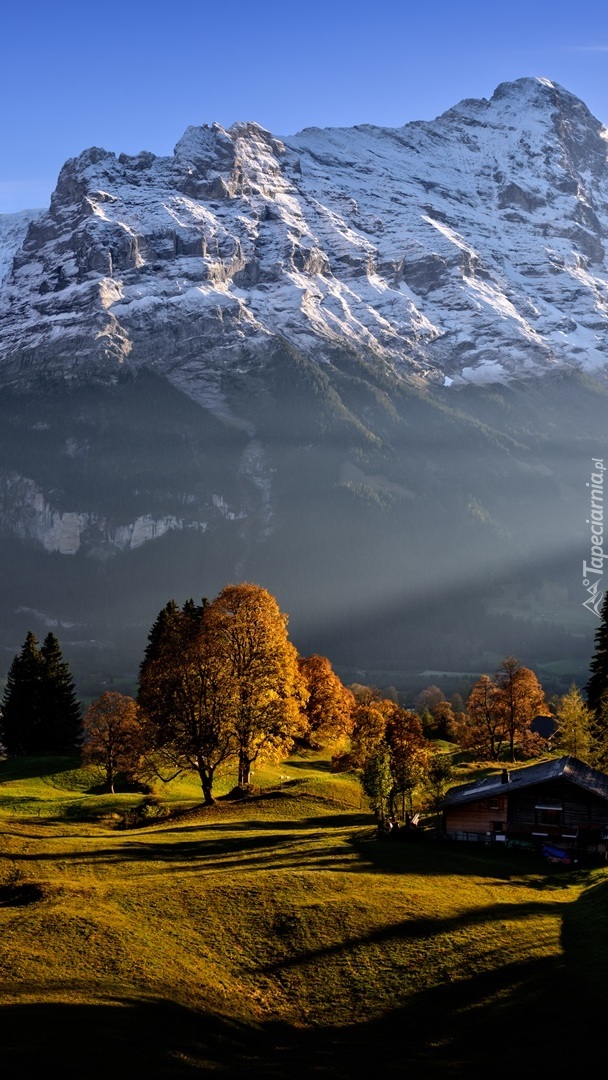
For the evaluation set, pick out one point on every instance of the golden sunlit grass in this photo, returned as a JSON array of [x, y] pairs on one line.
[[276, 921]]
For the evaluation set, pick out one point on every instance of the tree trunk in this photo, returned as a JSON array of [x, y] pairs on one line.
[[244, 769], [206, 778], [206, 784]]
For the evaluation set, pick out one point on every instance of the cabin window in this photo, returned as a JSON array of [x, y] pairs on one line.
[[494, 804], [548, 815]]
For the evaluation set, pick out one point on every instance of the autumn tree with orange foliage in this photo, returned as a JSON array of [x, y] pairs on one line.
[[521, 698], [268, 692], [409, 753], [330, 705], [440, 725], [500, 712], [113, 737], [220, 681], [481, 729], [368, 731], [390, 748], [186, 695]]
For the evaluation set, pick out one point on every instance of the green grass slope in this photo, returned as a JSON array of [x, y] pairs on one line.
[[277, 937]]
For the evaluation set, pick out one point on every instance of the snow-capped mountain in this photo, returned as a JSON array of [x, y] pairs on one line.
[[364, 367], [469, 248]]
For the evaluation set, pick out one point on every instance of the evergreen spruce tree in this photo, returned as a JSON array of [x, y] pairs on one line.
[[167, 618], [39, 712], [599, 737], [20, 715], [61, 714], [597, 686]]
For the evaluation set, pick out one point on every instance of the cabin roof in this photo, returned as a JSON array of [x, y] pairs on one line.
[[509, 781]]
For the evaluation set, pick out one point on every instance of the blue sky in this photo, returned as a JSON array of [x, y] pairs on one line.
[[132, 75]]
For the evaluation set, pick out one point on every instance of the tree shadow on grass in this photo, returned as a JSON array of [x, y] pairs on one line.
[[427, 929], [540, 1015], [430, 855], [518, 1020], [155, 1039], [314, 765], [329, 822], [248, 853], [313, 844], [501, 1024], [585, 936], [32, 768]]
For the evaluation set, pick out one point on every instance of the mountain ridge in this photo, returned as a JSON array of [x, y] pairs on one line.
[[329, 237], [363, 367]]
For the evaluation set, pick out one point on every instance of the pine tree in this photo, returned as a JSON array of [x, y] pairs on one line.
[[61, 730], [169, 615], [598, 680], [20, 715], [599, 737], [40, 713]]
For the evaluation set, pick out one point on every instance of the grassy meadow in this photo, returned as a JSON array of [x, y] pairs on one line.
[[277, 936]]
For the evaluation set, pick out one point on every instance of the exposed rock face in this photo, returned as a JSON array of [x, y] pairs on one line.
[[469, 248], [25, 512]]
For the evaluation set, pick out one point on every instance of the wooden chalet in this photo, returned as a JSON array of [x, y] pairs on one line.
[[559, 806]]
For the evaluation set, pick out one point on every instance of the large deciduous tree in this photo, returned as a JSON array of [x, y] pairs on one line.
[[266, 690], [482, 729], [500, 711], [113, 737], [369, 730], [409, 750], [377, 780], [330, 705], [441, 723], [428, 698], [521, 698], [186, 693], [439, 774], [388, 745]]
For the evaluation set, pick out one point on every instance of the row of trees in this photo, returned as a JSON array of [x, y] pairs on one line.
[[221, 682], [497, 719]]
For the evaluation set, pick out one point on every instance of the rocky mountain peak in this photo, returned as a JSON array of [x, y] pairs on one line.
[[469, 248]]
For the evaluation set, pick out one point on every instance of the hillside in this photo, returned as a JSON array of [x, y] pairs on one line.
[[278, 936]]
